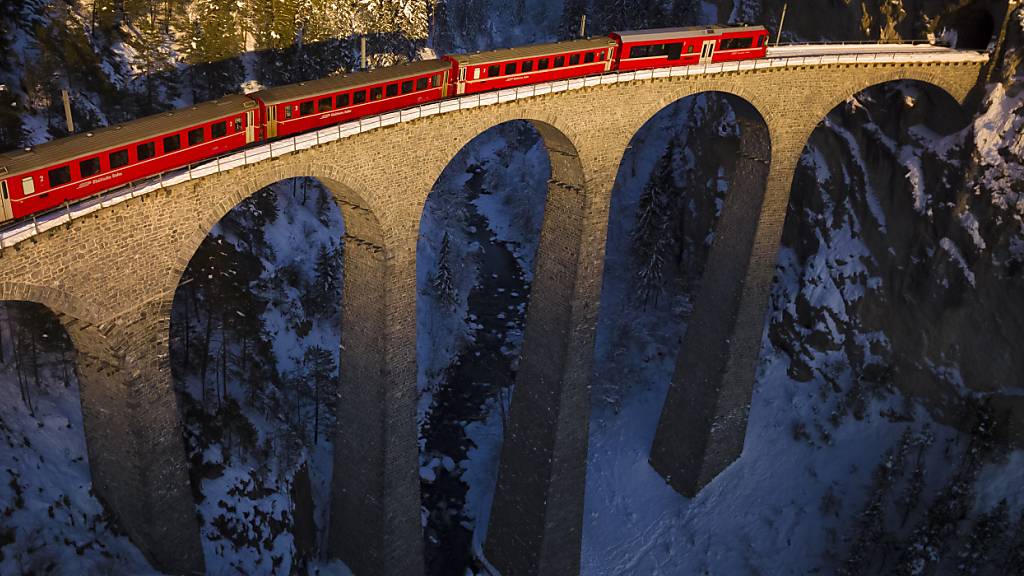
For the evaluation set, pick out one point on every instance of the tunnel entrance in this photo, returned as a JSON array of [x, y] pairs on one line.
[[973, 25]]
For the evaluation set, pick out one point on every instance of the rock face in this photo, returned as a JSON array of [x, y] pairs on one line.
[[930, 196]]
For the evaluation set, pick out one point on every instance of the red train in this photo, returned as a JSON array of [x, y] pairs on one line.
[[65, 170]]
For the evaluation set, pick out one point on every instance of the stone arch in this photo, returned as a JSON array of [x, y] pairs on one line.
[[558, 175], [135, 478], [536, 515], [352, 203], [703, 421], [374, 507], [897, 226], [60, 302], [940, 86]]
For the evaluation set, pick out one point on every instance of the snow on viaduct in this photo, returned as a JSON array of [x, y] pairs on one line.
[[110, 275]]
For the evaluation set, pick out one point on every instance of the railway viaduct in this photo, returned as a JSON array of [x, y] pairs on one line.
[[111, 276]]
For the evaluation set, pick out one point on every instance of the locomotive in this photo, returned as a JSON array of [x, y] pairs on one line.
[[65, 170]]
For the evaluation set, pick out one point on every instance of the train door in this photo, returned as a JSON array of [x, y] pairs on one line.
[[5, 202], [707, 51], [461, 87], [250, 127], [271, 121]]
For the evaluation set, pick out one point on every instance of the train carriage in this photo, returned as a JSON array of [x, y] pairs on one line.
[[79, 166], [497, 69], [662, 47], [47, 175], [309, 105]]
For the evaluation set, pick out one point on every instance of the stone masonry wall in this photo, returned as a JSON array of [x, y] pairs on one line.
[[110, 277]]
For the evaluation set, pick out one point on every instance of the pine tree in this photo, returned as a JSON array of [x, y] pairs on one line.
[[569, 25], [927, 546], [651, 237], [871, 530], [684, 12], [1013, 555], [614, 15], [326, 288], [985, 537], [443, 282], [321, 372]]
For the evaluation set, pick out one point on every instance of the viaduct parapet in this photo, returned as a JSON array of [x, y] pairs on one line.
[[111, 277]]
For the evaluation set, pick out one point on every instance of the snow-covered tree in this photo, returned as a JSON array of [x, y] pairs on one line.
[[652, 236], [569, 24], [442, 282], [325, 291]]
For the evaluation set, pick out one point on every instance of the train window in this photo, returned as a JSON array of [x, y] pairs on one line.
[[60, 176], [89, 167], [421, 83], [528, 66], [435, 81], [195, 136], [736, 43], [359, 97], [119, 158], [600, 56], [689, 49], [3, 189], [306, 108], [510, 68], [638, 52], [391, 90], [28, 187], [288, 112], [559, 61], [376, 94], [542, 64], [324, 104], [219, 130], [238, 124], [145, 151], [341, 101], [760, 41], [406, 86], [574, 59], [493, 71], [172, 143], [588, 57], [673, 51]]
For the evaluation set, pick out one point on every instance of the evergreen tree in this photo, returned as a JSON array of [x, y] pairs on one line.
[[569, 25], [442, 282], [326, 288], [985, 536], [321, 374], [1013, 554], [684, 12], [614, 15], [652, 238]]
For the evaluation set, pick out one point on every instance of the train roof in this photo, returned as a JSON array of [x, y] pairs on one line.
[[89, 143], [532, 51], [683, 32], [331, 84]]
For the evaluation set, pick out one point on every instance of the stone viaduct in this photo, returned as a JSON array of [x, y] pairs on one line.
[[111, 277]]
